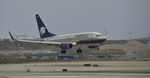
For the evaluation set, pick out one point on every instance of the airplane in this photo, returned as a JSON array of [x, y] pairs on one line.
[[67, 41]]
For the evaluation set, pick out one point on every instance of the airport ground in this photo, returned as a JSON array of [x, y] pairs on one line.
[[94, 69], [135, 64]]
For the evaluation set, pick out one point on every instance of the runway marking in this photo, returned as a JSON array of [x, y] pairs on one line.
[[48, 76]]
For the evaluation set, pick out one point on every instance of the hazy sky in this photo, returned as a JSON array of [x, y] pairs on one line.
[[123, 19]]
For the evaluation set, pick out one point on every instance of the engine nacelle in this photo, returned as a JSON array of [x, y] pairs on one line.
[[66, 46]]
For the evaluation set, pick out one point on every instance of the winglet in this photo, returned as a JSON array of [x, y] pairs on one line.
[[11, 36]]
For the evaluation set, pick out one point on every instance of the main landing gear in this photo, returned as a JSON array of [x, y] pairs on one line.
[[79, 50], [63, 51]]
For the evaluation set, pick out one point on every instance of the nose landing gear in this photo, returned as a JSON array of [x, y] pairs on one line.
[[79, 50]]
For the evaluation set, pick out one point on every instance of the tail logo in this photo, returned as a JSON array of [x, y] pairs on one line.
[[42, 30]]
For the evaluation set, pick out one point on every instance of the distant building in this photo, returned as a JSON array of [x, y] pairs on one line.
[[113, 53]]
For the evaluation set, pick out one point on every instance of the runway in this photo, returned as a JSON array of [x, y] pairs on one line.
[[105, 69], [74, 75]]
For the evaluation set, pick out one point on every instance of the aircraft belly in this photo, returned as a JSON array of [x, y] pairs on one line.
[[78, 40], [94, 41]]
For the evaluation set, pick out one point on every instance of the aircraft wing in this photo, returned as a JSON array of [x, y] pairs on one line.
[[62, 45], [41, 42]]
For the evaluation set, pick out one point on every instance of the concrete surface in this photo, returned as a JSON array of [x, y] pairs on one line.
[[105, 69], [74, 75]]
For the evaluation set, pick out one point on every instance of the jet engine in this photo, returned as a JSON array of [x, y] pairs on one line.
[[66, 46]]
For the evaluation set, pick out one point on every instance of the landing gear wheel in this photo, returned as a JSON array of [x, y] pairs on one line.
[[63, 51], [98, 48], [79, 50]]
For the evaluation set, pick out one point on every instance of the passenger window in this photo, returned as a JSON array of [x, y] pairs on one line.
[[98, 35]]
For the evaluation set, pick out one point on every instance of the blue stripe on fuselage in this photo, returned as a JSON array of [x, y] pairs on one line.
[[91, 41]]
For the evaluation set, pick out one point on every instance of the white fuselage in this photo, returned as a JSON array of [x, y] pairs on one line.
[[77, 37]]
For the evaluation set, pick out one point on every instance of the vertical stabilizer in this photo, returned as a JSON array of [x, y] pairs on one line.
[[42, 28]]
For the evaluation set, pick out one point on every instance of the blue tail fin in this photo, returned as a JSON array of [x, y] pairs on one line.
[[42, 28]]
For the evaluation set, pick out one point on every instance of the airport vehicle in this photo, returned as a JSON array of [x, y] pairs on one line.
[[67, 41]]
